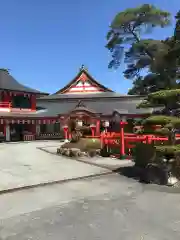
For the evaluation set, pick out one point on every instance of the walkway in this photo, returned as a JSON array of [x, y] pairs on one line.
[[22, 164], [108, 207]]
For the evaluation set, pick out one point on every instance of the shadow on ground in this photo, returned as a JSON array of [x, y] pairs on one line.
[[130, 172]]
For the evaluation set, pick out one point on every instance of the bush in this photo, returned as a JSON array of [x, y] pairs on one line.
[[144, 154], [168, 150], [84, 144], [104, 152]]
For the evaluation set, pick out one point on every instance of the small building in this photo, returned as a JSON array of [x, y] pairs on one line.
[[27, 114]]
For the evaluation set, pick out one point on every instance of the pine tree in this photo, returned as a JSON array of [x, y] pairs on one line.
[[166, 104]]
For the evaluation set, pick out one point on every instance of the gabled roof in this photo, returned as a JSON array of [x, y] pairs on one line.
[[7, 82], [82, 107], [83, 72]]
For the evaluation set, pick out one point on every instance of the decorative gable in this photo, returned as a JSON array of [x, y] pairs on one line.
[[83, 83]]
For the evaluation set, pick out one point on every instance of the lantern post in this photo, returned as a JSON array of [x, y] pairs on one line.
[[65, 128]]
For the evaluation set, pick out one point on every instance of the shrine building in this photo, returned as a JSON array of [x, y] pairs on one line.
[[28, 114]]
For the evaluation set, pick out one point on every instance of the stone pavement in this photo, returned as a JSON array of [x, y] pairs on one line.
[[22, 164], [109, 163], [107, 207]]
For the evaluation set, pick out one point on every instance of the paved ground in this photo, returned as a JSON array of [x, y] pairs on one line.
[[110, 163], [111, 207], [22, 164], [107, 207]]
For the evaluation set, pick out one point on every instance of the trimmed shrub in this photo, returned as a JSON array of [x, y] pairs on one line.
[[84, 144], [144, 154]]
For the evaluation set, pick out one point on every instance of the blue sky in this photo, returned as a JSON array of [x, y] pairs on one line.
[[44, 42]]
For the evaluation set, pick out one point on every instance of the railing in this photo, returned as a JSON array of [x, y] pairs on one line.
[[5, 105], [45, 136], [114, 141], [29, 137]]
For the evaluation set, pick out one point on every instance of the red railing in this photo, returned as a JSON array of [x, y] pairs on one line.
[[5, 104], [13, 109], [114, 141]]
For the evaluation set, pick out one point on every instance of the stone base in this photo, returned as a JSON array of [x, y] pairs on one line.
[[75, 152]]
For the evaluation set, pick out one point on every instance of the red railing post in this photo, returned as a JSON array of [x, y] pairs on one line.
[[122, 147]]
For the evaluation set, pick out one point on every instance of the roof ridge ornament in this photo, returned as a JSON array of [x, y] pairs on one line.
[[83, 68]]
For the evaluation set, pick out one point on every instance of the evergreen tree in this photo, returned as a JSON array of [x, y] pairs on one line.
[[158, 57], [125, 38], [166, 104]]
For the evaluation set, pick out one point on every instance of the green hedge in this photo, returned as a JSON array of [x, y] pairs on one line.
[[163, 120], [174, 149]]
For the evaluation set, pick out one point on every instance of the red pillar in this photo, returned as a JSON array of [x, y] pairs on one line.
[[93, 132], [122, 149], [98, 128], [33, 102], [7, 97], [93, 128]]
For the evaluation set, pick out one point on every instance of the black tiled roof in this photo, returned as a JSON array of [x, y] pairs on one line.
[[101, 107], [53, 109], [7, 82]]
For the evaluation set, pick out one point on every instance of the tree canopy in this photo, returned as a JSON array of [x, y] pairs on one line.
[[124, 36], [159, 57]]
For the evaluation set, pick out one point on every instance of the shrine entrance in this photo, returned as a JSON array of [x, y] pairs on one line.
[[84, 119]]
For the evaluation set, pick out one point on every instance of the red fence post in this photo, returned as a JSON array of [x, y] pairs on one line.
[[122, 147]]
